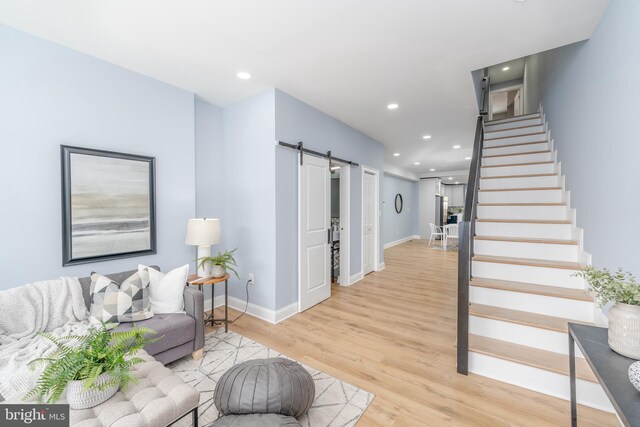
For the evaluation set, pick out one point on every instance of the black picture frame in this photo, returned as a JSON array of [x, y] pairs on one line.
[[398, 203], [69, 257]]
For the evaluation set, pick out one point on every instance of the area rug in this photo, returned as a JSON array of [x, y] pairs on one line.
[[337, 403]]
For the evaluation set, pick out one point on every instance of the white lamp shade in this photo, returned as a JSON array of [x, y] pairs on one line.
[[203, 232]]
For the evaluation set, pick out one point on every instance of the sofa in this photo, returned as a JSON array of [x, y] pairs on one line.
[[183, 334]]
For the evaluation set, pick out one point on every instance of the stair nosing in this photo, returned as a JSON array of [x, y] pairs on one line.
[[521, 189], [514, 136], [529, 175], [519, 164], [527, 221], [525, 117], [521, 127], [515, 145], [532, 288], [583, 371], [517, 154], [527, 240], [529, 262], [524, 204], [512, 317]]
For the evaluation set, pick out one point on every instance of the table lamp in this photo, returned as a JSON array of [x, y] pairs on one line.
[[203, 232]]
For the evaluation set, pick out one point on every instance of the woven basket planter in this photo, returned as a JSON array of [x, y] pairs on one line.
[[79, 398]]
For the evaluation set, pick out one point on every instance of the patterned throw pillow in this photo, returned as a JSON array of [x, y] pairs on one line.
[[127, 302]]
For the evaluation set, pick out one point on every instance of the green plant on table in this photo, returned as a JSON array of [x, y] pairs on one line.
[[86, 357], [224, 259], [620, 286]]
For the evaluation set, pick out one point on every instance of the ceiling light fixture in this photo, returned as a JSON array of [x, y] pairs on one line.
[[432, 170], [392, 107], [426, 137], [396, 154], [335, 168], [416, 163], [505, 68], [450, 177], [467, 158], [455, 147], [243, 75]]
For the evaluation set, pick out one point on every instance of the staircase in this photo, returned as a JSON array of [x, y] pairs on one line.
[[526, 247]]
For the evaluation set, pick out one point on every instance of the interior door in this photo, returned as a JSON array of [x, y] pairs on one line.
[[368, 222], [314, 213]]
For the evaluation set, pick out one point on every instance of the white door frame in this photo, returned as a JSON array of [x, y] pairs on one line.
[[345, 222], [519, 86], [376, 218]]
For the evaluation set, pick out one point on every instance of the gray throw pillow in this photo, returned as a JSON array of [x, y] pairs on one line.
[[114, 302]]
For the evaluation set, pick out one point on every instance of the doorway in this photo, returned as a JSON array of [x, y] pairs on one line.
[[506, 102], [370, 218], [323, 228]]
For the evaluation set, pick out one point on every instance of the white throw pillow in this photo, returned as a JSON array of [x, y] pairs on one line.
[[166, 291]]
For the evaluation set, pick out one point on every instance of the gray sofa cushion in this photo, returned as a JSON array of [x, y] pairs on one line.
[[174, 328], [256, 420], [120, 277], [267, 386]]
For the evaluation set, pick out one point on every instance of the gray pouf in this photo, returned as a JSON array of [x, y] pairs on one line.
[[265, 386], [256, 420]]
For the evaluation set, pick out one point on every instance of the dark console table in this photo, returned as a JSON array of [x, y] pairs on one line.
[[610, 369]]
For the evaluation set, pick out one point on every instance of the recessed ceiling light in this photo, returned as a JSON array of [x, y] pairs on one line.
[[416, 163], [467, 158], [426, 137], [455, 147], [432, 170], [392, 106], [457, 182], [243, 75], [505, 68], [396, 154], [335, 168], [450, 177]]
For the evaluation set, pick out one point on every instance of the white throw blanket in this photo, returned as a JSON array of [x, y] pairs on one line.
[[54, 306]]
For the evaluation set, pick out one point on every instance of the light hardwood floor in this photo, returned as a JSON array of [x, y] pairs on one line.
[[393, 334]]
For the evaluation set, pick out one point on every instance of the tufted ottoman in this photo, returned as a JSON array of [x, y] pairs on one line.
[[158, 399]]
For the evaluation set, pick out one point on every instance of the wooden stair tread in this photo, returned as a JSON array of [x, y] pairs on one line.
[[527, 240], [565, 265], [521, 189], [518, 164], [520, 127], [515, 145], [514, 136], [526, 221], [526, 318], [534, 357], [532, 288], [530, 175], [520, 118], [523, 204], [517, 154]]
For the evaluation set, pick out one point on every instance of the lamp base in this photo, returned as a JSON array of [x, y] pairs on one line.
[[205, 270]]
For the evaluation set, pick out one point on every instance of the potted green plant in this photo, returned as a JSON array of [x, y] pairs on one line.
[[221, 263], [90, 367], [624, 316]]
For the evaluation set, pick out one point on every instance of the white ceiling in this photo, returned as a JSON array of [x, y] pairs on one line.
[[516, 71], [346, 58]]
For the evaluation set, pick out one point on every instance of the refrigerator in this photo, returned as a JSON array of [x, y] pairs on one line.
[[442, 204]]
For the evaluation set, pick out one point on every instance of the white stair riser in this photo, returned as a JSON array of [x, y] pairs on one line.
[[527, 273], [510, 125], [541, 304], [540, 146], [528, 230], [539, 338], [519, 130], [528, 196], [516, 119], [551, 252], [519, 170], [529, 137], [540, 380], [523, 212], [520, 158], [524, 182]]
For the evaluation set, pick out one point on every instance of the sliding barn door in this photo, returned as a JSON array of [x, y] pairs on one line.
[[314, 212]]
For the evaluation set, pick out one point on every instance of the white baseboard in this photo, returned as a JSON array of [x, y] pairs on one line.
[[400, 241], [355, 278], [380, 266], [271, 316]]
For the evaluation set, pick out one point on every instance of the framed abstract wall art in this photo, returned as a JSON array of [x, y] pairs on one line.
[[108, 205]]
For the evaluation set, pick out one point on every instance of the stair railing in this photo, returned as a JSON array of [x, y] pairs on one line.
[[466, 233]]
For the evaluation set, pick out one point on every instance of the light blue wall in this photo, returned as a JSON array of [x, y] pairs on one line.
[[297, 121], [589, 92], [397, 226], [51, 95]]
